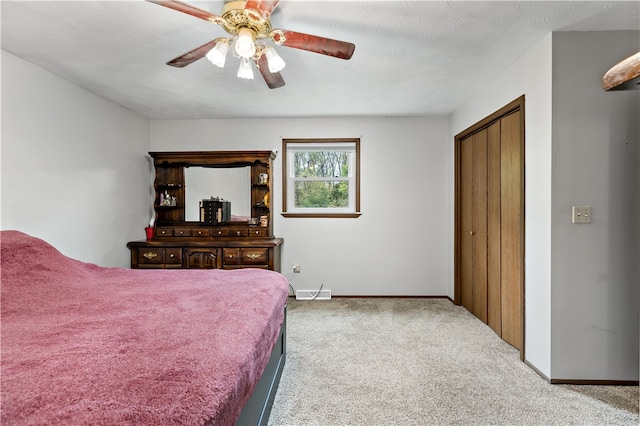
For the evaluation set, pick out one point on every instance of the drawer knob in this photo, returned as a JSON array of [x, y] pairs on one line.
[[150, 255], [238, 233], [172, 255], [253, 256]]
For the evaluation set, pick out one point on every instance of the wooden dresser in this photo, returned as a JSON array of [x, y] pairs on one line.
[[182, 243]]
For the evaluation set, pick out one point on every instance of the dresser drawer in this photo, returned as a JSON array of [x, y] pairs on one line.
[[254, 256], [173, 256], [231, 256], [151, 256], [159, 256], [229, 232], [246, 256], [164, 232], [181, 232], [258, 232], [200, 232]]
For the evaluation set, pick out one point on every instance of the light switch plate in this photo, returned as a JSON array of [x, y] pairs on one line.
[[581, 214]]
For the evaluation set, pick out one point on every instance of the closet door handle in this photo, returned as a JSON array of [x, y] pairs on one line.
[[471, 233]]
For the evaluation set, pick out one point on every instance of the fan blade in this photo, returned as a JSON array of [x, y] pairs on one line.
[[188, 9], [273, 79], [265, 7], [322, 45], [192, 56]]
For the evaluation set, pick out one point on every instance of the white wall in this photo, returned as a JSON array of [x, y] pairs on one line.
[[595, 267], [531, 76], [73, 171], [400, 244]]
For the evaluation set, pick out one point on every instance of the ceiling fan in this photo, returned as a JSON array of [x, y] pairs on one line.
[[249, 26]]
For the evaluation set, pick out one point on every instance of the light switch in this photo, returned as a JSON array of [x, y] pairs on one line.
[[581, 214]]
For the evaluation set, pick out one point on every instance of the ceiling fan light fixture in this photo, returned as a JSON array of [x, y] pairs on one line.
[[245, 70], [245, 46], [218, 54], [276, 63]]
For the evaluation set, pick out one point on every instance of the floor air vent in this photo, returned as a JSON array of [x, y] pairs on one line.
[[313, 294]]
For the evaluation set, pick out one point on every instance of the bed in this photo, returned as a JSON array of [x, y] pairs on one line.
[[84, 344]]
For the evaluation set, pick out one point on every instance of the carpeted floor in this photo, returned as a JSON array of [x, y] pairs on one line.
[[404, 361]]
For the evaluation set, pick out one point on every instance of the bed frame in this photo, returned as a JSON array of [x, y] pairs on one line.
[[256, 411]]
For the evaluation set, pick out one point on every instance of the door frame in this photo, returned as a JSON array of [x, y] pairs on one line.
[[515, 105]]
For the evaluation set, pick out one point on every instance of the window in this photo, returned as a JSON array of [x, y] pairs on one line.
[[321, 178]]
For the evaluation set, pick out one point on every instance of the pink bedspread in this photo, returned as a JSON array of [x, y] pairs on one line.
[[83, 344]]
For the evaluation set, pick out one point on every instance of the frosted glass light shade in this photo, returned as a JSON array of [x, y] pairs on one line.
[[218, 54], [245, 70], [276, 63], [244, 45]]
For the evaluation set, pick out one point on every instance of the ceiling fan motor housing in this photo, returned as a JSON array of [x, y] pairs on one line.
[[235, 18]]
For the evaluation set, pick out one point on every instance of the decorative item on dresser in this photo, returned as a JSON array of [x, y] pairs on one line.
[[188, 234]]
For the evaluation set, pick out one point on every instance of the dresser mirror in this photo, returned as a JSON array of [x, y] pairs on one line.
[[232, 184]]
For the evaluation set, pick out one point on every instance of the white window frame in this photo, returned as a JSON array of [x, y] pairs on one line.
[[292, 146]]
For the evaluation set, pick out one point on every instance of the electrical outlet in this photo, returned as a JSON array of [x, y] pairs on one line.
[[296, 269], [581, 214]]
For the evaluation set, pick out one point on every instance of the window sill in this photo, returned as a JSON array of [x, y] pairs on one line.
[[320, 215]]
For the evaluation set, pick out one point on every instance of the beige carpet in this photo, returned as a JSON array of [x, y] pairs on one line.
[[392, 361]]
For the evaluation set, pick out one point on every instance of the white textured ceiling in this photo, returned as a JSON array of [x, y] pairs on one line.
[[412, 57]]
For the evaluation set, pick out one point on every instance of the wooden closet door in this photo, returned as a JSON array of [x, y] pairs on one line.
[[512, 240], [474, 224], [465, 250], [479, 231], [494, 228]]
